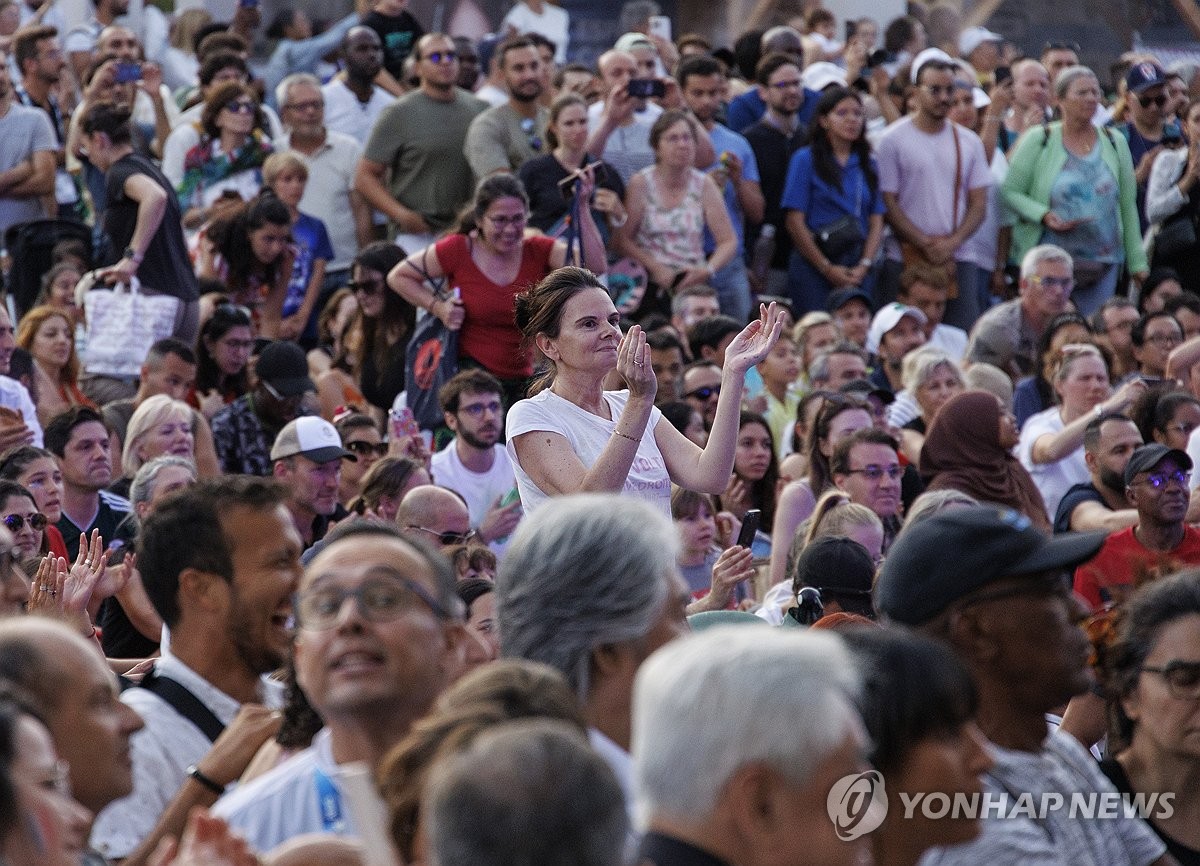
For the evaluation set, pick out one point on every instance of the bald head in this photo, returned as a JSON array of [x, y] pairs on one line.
[[428, 511]]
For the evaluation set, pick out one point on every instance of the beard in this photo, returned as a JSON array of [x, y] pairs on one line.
[[478, 442], [1114, 481], [253, 651]]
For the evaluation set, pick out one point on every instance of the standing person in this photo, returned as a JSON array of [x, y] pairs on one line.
[[27, 148], [932, 210], [1073, 185], [416, 147], [1148, 124], [670, 205], [399, 32], [142, 216], [353, 101], [834, 181], [574, 436], [490, 263], [1171, 190], [538, 16], [506, 136]]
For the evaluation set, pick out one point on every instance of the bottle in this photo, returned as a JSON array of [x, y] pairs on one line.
[[764, 251]]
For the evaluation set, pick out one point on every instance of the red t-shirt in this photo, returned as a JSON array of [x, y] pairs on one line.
[[1123, 563], [489, 332]]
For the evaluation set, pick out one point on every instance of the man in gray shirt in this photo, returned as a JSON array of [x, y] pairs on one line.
[[504, 137], [27, 149]]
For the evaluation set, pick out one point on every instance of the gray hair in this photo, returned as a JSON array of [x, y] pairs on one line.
[[1070, 74], [818, 370], [920, 365], [1045, 252], [529, 791], [750, 680], [581, 572], [990, 378], [283, 88], [146, 479]]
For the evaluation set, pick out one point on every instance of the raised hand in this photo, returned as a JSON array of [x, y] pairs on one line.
[[633, 363], [89, 567], [755, 341]]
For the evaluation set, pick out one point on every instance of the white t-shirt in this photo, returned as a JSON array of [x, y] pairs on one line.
[[951, 340], [628, 147], [1052, 479], [588, 436], [344, 112], [554, 23], [480, 489]]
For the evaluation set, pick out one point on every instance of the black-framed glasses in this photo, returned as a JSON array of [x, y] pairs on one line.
[[446, 539], [506, 221], [1183, 678], [476, 410], [876, 473], [704, 393], [365, 449], [379, 599], [1160, 479], [367, 287], [529, 127], [441, 56], [15, 522], [1165, 339]]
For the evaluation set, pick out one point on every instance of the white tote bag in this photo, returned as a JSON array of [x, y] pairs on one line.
[[123, 322]]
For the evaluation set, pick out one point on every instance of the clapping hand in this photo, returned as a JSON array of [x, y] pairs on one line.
[[633, 363], [755, 341]]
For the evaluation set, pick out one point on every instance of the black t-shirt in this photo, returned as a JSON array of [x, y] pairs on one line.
[[399, 34], [166, 267], [1116, 774], [773, 152], [1073, 498], [547, 203]]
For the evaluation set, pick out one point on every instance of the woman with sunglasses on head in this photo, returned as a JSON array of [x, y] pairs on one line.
[[1150, 672], [385, 325], [484, 266], [36, 470], [1072, 184], [222, 353]]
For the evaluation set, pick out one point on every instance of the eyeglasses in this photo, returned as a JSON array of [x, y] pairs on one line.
[[505, 221], [365, 448], [441, 56], [241, 106], [1158, 101], [529, 127], [1061, 46], [476, 410], [310, 105], [704, 393], [1164, 339], [1183, 678], [15, 522], [876, 473], [1065, 283], [373, 287], [794, 84], [1159, 479], [379, 599], [446, 538]]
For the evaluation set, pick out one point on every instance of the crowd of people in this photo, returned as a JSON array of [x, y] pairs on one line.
[[871, 361]]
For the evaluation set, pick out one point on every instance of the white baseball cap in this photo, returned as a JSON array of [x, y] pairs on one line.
[[311, 437], [888, 317]]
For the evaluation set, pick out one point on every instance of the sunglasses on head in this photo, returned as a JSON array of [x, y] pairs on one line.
[[1061, 46], [15, 522], [446, 538]]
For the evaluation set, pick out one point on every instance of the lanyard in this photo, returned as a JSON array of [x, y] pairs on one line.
[[329, 799]]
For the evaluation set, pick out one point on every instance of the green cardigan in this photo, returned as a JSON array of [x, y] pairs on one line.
[[1035, 165]]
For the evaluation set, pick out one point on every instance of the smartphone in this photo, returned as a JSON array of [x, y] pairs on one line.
[[128, 72], [403, 424], [1003, 74], [660, 25], [646, 88], [749, 528]]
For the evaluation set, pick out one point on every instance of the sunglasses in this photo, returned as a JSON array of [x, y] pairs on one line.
[[704, 393], [528, 126], [441, 56], [15, 522], [446, 538], [365, 448], [1158, 101], [373, 287], [241, 106]]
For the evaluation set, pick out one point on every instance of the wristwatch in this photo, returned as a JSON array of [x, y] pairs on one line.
[[133, 255]]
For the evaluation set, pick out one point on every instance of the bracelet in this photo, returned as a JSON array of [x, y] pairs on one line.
[[625, 435], [194, 772]]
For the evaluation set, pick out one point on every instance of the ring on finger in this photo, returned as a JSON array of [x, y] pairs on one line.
[[44, 588]]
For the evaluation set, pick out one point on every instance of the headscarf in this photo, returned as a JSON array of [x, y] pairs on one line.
[[962, 452]]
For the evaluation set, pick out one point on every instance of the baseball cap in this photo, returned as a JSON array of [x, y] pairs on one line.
[[1146, 457], [311, 437], [864, 388], [840, 568], [817, 76], [632, 40], [1143, 76], [283, 365], [957, 551], [929, 55], [973, 37], [841, 297], [888, 317]]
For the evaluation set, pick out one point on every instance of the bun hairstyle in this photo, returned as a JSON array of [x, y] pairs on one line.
[[539, 311]]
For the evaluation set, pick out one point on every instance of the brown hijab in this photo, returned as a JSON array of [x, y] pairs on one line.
[[962, 452]]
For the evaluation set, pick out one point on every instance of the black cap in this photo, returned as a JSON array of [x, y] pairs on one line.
[[952, 554], [1146, 457], [841, 297], [284, 366], [865, 388], [840, 568]]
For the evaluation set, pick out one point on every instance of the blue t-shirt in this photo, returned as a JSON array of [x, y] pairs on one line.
[[821, 203], [748, 108], [725, 139], [311, 241], [1086, 189]]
